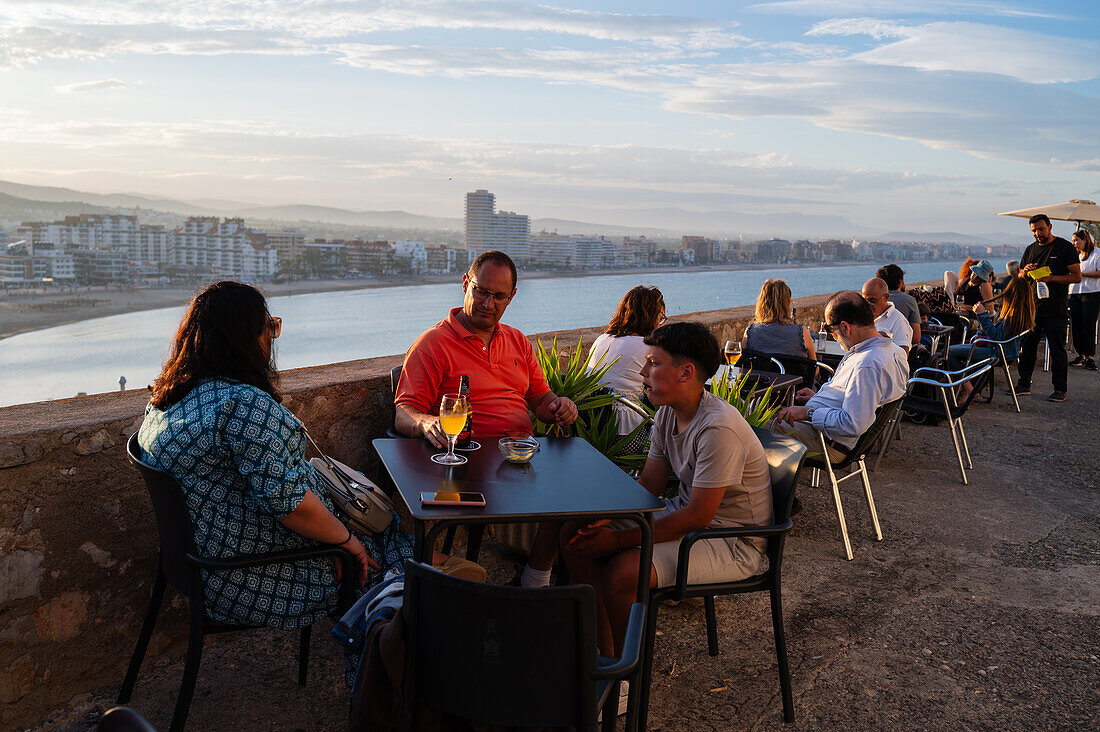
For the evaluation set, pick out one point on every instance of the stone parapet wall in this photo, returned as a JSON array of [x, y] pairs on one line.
[[78, 542]]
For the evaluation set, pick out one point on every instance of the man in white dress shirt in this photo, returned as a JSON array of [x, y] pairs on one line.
[[888, 319], [874, 371]]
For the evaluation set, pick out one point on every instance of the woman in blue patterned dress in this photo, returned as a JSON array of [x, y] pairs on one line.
[[215, 423]]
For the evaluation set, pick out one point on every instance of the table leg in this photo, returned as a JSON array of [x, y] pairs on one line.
[[634, 713], [474, 532], [418, 541]]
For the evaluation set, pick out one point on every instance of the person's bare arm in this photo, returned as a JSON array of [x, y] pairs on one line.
[[414, 423], [601, 541], [916, 333], [313, 520], [808, 342], [654, 476]]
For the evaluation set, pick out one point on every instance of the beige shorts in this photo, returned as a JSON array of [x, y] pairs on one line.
[[712, 560]]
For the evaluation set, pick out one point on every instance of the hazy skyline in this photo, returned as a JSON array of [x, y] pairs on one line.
[[931, 119]]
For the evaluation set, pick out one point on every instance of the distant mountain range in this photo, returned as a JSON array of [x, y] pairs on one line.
[[26, 202]]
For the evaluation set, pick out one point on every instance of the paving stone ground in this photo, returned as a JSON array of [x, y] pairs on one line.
[[977, 611]]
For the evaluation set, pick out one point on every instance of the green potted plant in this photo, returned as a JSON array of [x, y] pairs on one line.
[[596, 420]]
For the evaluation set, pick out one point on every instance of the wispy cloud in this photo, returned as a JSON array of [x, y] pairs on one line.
[[84, 87], [32, 31], [975, 47], [982, 114], [891, 8]]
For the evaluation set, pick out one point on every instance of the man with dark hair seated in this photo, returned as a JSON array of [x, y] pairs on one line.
[[894, 277], [873, 371], [724, 481]]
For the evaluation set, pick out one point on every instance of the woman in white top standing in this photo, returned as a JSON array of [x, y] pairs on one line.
[[640, 312], [1084, 301]]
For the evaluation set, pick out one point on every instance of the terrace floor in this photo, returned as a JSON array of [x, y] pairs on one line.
[[977, 611]]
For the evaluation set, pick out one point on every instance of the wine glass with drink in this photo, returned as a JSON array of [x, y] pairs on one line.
[[732, 352], [453, 410]]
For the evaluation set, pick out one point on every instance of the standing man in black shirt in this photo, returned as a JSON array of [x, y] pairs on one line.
[[1050, 312]]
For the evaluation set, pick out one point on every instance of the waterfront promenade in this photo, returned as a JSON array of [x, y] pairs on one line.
[[977, 611]]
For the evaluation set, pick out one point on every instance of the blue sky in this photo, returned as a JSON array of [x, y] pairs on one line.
[[927, 116]]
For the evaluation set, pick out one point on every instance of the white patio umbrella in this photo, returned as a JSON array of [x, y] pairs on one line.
[[1077, 210]]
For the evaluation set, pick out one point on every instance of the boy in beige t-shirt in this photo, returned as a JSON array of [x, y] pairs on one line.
[[724, 481]]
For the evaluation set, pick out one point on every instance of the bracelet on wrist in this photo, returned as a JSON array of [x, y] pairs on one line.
[[345, 541]]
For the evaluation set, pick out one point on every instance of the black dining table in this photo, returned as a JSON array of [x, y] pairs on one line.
[[567, 479]]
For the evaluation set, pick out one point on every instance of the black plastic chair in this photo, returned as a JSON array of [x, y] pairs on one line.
[[510, 656], [810, 370], [960, 324], [395, 376], [785, 459], [886, 417], [943, 404], [759, 361], [179, 565]]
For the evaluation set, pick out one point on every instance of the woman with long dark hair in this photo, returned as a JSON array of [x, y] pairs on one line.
[[639, 313], [215, 423], [1017, 315], [1084, 301]]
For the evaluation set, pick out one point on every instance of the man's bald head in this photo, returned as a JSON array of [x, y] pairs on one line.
[[876, 292]]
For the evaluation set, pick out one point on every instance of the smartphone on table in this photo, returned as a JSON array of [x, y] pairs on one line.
[[469, 499]]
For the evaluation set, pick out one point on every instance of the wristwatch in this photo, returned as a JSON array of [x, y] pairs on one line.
[[810, 414]]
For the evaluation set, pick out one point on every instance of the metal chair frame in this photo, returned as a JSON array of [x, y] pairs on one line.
[[983, 341], [885, 422], [946, 382]]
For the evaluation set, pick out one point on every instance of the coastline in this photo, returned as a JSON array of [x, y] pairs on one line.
[[38, 311]]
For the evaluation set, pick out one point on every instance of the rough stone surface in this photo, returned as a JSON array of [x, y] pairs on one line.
[[91, 444], [101, 558], [12, 453], [60, 619], [20, 632], [20, 575], [17, 680]]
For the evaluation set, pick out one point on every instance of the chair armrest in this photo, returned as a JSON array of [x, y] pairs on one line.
[[242, 561], [634, 406], [349, 574], [684, 556], [632, 647], [826, 367]]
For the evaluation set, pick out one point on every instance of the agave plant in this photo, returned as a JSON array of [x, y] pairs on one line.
[[596, 421], [757, 411]]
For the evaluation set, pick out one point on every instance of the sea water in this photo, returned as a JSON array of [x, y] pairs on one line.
[[91, 355]]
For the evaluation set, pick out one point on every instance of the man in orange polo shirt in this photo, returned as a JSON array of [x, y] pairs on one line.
[[505, 378]]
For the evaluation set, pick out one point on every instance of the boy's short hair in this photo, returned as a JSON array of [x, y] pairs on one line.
[[924, 310], [691, 341]]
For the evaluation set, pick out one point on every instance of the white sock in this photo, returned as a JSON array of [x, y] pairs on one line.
[[532, 577]]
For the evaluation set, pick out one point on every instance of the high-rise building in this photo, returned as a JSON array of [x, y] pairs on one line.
[[487, 228]]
